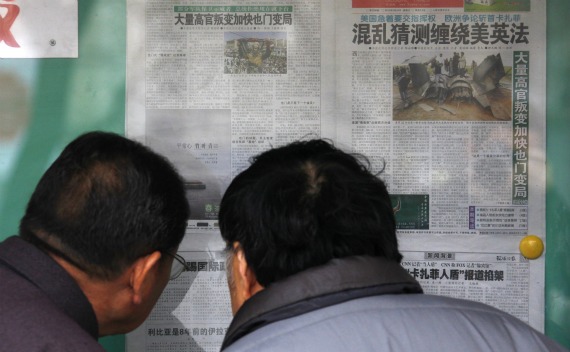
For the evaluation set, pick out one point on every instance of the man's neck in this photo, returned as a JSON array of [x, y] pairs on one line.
[[106, 296]]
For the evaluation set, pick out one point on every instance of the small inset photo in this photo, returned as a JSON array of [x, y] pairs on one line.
[[496, 5], [255, 52]]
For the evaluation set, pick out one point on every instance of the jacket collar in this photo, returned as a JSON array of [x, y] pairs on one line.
[[337, 281], [41, 270]]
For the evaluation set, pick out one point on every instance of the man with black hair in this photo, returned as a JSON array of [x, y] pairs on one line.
[[95, 249], [313, 265]]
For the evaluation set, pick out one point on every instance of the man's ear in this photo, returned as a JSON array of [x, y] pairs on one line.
[[245, 281], [143, 272]]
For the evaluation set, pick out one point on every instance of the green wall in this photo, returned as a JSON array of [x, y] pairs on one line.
[[70, 96], [558, 172]]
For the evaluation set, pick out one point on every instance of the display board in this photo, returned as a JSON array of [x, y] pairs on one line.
[[446, 98], [64, 97]]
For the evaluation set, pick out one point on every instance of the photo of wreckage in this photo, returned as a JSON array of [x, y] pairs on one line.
[[457, 89]]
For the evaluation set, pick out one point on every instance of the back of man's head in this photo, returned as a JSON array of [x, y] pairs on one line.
[[303, 204], [105, 202]]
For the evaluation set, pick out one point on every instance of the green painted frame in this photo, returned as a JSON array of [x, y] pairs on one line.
[[76, 95]]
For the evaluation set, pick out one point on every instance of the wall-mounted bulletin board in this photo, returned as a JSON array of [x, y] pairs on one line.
[[46, 102]]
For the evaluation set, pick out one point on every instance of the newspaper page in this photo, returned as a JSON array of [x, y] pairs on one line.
[[210, 84], [446, 97], [194, 311]]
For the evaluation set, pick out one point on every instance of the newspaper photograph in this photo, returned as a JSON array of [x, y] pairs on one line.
[[446, 98]]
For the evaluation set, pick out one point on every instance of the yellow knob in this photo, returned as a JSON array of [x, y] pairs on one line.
[[531, 246]]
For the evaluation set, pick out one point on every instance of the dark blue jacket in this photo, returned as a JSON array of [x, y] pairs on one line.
[[41, 307]]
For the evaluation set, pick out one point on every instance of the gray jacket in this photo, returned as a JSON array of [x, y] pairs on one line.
[[369, 304]]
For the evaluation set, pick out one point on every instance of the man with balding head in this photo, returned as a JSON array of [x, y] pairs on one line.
[[96, 247]]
